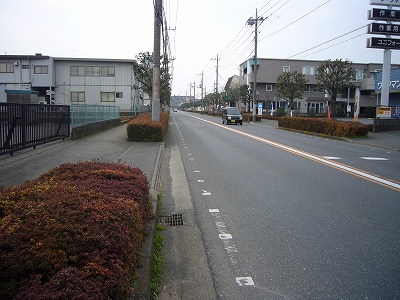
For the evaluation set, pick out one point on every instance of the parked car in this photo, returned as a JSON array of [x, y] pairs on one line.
[[175, 109], [231, 115]]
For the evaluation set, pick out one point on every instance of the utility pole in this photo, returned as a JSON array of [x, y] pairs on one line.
[[194, 91], [254, 22], [201, 84], [216, 84], [155, 109]]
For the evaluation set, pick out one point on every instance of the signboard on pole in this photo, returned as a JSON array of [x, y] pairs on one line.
[[383, 43], [384, 28], [385, 2], [384, 14]]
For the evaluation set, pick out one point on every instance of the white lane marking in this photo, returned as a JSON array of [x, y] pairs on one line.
[[332, 157], [196, 171], [374, 158], [191, 158], [200, 180], [205, 193], [372, 177], [225, 236], [244, 281]]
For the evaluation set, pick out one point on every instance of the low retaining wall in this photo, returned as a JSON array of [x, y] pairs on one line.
[[386, 125], [84, 130]]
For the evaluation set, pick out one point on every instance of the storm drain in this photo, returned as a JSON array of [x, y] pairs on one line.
[[177, 219]]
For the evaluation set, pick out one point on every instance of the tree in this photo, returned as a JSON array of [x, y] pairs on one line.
[[332, 77], [143, 71], [165, 84], [289, 86]]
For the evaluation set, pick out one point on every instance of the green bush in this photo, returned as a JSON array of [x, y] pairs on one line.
[[144, 129], [340, 112], [73, 233], [370, 112], [281, 112], [325, 126]]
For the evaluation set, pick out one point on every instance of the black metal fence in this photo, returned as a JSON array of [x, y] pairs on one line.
[[28, 125]]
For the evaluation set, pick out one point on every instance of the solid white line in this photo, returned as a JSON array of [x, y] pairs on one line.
[[315, 157]]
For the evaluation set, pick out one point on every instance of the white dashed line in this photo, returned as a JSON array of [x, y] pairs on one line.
[[374, 158], [332, 157], [244, 281]]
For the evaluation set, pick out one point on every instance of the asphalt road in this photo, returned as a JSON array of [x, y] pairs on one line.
[[291, 216]]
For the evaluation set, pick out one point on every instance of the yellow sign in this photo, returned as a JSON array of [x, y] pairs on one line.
[[384, 112]]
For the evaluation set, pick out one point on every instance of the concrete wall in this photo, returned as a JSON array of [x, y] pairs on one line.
[[85, 130]]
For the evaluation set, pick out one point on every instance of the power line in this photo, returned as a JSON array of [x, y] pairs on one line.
[[296, 20]]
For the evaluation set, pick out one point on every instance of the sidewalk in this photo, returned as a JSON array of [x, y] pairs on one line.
[[107, 146], [389, 140]]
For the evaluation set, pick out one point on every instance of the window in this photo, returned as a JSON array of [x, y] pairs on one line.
[[286, 68], [93, 71], [77, 71], [41, 70], [6, 67], [77, 96], [107, 97], [269, 87], [25, 67], [361, 74], [307, 88], [108, 71], [308, 70], [119, 95]]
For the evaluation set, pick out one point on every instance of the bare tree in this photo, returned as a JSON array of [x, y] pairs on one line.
[[332, 77], [290, 86]]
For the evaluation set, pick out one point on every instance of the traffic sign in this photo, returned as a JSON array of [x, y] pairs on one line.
[[384, 28], [384, 14], [383, 43], [385, 2]]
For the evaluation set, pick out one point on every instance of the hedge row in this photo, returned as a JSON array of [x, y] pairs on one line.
[[143, 129], [325, 126], [73, 233]]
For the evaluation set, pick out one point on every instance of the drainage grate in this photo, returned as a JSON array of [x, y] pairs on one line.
[[178, 219]]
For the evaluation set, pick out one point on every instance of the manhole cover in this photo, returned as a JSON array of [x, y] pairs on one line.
[[173, 220]]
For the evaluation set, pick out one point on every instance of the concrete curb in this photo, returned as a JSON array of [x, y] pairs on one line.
[[142, 287]]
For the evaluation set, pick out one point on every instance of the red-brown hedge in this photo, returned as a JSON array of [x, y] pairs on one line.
[[143, 129], [73, 233], [324, 126]]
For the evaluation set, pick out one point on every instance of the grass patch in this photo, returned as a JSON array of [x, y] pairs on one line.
[[159, 261]]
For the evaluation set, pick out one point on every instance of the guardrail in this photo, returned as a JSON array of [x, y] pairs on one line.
[[28, 125], [82, 114]]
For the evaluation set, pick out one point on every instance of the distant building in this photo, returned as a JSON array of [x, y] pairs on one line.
[[313, 100], [69, 80]]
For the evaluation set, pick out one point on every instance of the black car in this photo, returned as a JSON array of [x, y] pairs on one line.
[[231, 115]]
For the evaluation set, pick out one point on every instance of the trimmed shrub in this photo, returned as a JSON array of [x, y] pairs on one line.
[[73, 233], [143, 129], [325, 126], [248, 117]]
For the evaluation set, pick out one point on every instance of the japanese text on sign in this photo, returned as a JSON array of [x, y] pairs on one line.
[[394, 84]]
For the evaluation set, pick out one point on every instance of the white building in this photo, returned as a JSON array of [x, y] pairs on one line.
[[70, 80]]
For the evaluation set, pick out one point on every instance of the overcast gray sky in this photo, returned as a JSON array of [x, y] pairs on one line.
[[198, 31]]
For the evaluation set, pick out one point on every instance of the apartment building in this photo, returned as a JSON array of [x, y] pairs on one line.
[[365, 86], [44, 79]]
